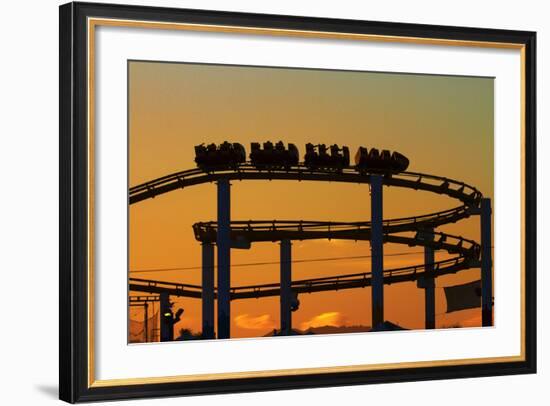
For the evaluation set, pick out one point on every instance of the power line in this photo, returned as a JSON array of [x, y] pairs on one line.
[[277, 262]]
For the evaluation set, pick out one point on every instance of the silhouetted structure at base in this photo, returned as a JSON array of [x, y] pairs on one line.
[[167, 318]]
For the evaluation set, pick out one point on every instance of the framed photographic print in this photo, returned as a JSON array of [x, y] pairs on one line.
[[253, 202]]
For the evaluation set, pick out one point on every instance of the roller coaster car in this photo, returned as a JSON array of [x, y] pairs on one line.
[[273, 157], [226, 155], [375, 161], [317, 157]]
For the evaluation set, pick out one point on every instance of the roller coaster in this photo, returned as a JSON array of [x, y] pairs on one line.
[[467, 194], [227, 163]]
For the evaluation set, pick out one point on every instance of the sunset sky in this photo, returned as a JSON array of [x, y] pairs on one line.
[[443, 124]]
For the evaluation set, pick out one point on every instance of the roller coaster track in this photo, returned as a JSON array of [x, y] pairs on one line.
[[467, 194], [277, 230], [353, 281], [172, 288], [330, 283], [467, 256]]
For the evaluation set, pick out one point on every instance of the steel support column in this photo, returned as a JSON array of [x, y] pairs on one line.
[[223, 245], [286, 288], [429, 282], [377, 251], [207, 294], [486, 265]]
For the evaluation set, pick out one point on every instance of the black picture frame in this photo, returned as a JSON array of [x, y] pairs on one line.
[[74, 385]]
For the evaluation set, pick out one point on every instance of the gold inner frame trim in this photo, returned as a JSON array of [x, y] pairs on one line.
[[94, 22], [301, 371]]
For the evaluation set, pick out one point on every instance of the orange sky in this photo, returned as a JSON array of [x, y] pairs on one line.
[[443, 124]]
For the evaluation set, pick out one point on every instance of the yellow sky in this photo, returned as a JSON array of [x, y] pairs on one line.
[[443, 124]]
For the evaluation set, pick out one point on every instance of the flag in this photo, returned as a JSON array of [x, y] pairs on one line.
[[460, 297]]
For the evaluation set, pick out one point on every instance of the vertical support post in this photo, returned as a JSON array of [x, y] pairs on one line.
[[146, 321], [428, 281], [207, 294], [166, 318], [377, 251], [486, 265], [286, 288], [223, 244]]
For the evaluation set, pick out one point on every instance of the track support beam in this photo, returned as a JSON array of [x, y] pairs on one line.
[[286, 288], [377, 251], [207, 294], [223, 244], [486, 265]]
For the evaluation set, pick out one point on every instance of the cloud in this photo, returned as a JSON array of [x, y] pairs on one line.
[[262, 322], [325, 319]]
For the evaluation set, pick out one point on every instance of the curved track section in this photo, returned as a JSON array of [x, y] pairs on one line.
[[354, 281], [467, 194], [260, 231], [276, 230], [467, 257], [331, 283]]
